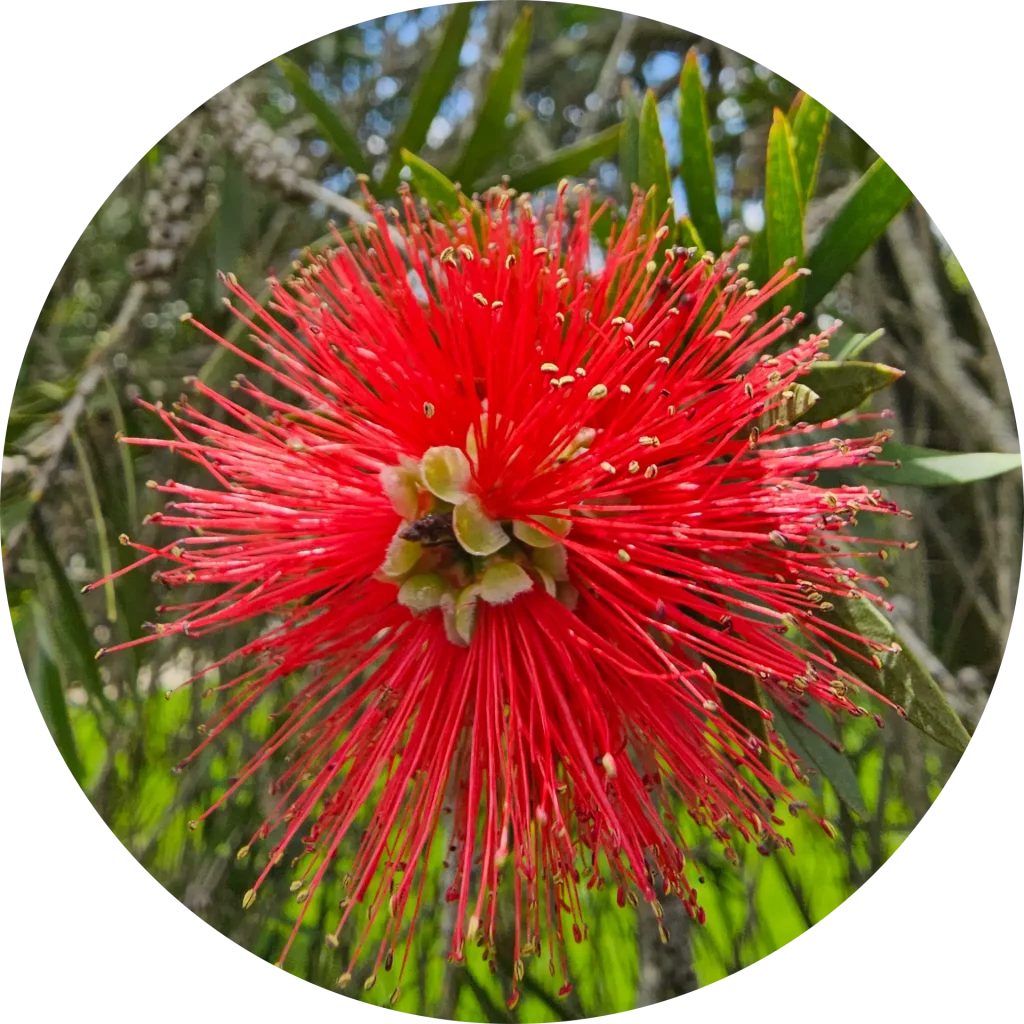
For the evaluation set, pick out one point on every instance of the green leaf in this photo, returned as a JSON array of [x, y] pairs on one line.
[[56, 392], [70, 627], [698, 170], [901, 678], [652, 168], [124, 451], [927, 467], [629, 150], [100, 521], [118, 499], [794, 407], [234, 205], [783, 207], [490, 1008], [758, 258], [490, 131], [431, 183], [567, 15], [601, 226], [743, 685], [53, 704], [955, 273], [33, 404], [434, 84], [689, 238], [569, 162], [814, 742], [810, 129], [878, 197], [857, 344], [844, 386], [344, 143], [15, 510]]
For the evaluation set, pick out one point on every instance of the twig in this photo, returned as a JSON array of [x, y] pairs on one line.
[[978, 414], [666, 968], [60, 435], [342, 204], [351, 209], [608, 77], [987, 611]]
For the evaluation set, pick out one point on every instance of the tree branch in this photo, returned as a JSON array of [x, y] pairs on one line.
[[59, 435], [608, 78], [979, 416]]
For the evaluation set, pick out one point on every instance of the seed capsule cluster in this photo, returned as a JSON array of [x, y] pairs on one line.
[[267, 156], [172, 209]]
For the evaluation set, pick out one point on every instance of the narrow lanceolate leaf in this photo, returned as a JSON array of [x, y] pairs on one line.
[[928, 467], [814, 743], [901, 677], [810, 129], [102, 540], [783, 208], [857, 344], [629, 150], [70, 628], [490, 131], [759, 258], [688, 236], [430, 183], [434, 84], [652, 164], [698, 170], [793, 407], [842, 387], [569, 162], [343, 142], [742, 685], [879, 196], [233, 212], [55, 711], [32, 631]]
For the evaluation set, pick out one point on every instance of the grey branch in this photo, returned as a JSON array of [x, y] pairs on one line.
[[608, 78], [980, 418], [60, 433]]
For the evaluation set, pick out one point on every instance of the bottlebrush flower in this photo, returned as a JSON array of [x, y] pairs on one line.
[[506, 503]]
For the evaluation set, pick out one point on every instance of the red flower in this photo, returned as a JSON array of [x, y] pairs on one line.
[[506, 503]]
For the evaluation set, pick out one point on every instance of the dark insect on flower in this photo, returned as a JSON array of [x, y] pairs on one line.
[[509, 503], [432, 529]]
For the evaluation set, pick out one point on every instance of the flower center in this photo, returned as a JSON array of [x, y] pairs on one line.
[[448, 554]]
